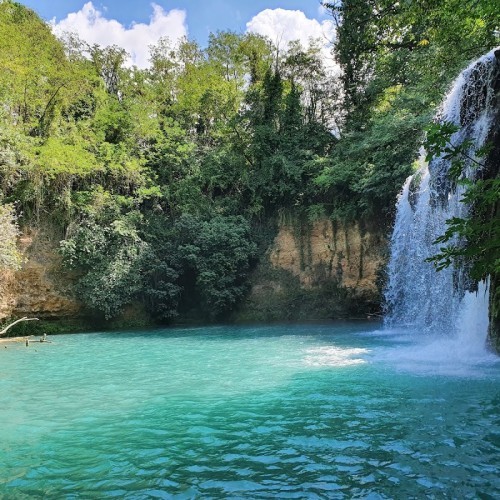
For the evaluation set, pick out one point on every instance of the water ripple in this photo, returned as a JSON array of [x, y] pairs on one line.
[[260, 413]]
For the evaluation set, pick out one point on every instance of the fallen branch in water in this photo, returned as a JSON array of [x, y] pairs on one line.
[[4, 331]]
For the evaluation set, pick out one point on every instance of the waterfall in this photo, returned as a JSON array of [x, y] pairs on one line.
[[417, 297]]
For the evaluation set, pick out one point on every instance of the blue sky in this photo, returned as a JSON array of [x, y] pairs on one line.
[[202, 17]]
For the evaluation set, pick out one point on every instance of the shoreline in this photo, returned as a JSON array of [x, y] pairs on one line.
[[15, 340]]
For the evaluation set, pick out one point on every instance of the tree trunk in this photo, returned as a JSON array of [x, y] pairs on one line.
[[4, 331]]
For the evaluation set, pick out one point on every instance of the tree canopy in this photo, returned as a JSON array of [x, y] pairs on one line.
[[158, 179]]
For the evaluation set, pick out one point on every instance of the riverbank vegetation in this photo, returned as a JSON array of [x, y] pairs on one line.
[[164, 184]]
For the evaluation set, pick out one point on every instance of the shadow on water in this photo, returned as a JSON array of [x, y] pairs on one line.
[[321, 329]]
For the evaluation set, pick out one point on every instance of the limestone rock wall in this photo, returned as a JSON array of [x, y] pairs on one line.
[[328, 251], [316, 271], [40, 288]]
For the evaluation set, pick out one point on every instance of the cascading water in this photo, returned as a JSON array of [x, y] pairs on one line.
[[417, 297]]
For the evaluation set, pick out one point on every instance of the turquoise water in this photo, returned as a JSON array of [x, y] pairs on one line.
[[303, 411]]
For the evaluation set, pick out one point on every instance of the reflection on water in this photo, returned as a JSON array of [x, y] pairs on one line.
[[334, 356]]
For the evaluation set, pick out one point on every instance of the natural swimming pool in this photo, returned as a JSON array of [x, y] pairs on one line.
[[343, 410]]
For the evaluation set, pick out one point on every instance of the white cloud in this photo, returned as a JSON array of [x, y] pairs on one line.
[[91, 26], [322, 10], [283, 26]]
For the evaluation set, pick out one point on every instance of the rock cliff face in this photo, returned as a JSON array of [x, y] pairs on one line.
[[318, 271], [327, 251], [311, 271], [40, 288]]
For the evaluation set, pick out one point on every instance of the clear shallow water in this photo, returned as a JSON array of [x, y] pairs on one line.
[[316, 411]]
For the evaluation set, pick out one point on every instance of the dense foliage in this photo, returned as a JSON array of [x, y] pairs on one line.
[[475, 240], [159, 178], [398, 59]]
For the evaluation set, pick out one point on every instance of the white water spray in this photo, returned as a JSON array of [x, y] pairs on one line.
[[418, 298]]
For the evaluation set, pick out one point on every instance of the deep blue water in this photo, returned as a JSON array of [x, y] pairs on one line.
[[292, 411]]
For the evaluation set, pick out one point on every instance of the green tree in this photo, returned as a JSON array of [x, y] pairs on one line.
[[107, 250], [474, 240], [203, 266]]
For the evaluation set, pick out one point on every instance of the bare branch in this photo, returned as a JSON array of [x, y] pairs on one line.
[[4, 331]]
